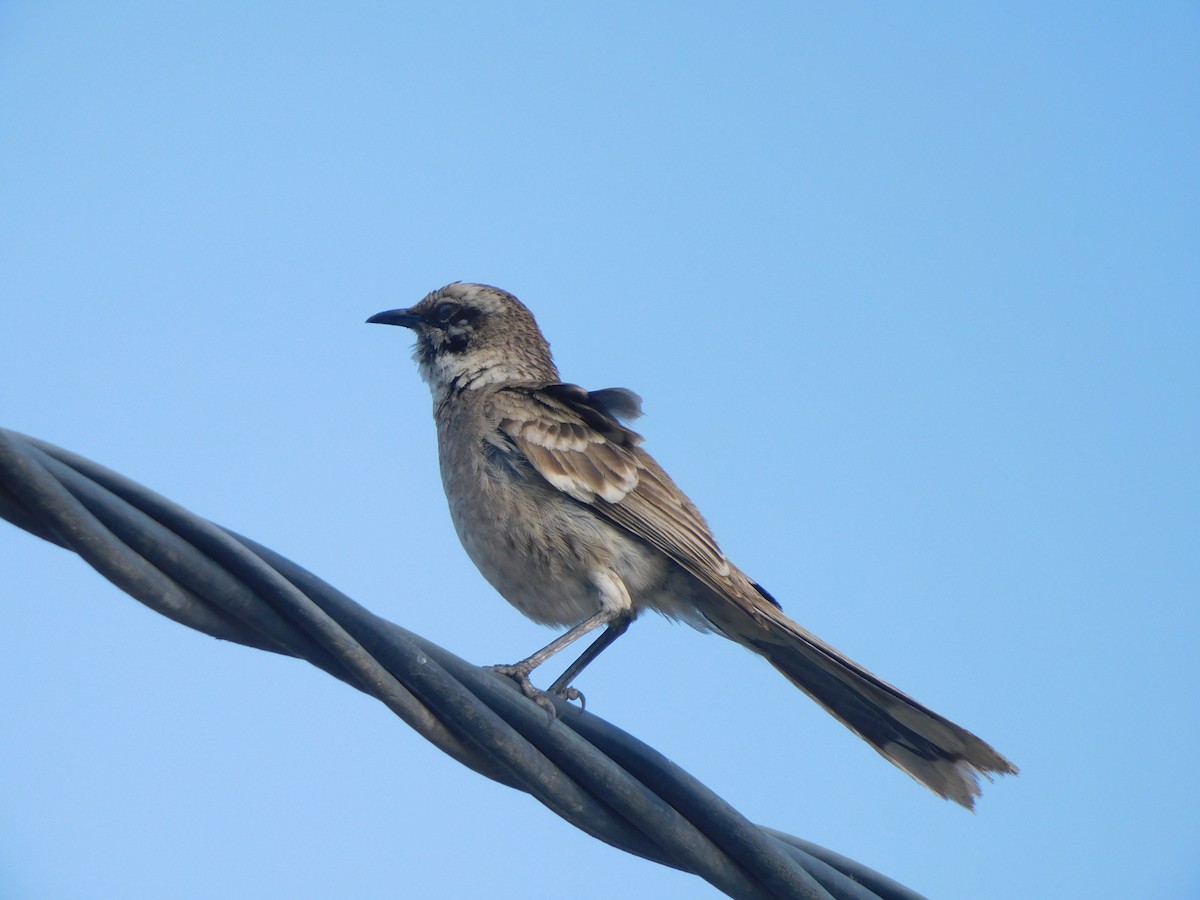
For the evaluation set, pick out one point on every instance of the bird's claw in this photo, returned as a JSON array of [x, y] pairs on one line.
[[520, 675], [569, 694]]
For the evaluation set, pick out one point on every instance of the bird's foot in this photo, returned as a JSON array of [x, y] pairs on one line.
[[520, 674]]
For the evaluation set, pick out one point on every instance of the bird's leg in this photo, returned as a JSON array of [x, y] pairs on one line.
[[519, 672], [562, 685]]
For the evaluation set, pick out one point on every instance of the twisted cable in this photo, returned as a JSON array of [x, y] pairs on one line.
[[581, 767]]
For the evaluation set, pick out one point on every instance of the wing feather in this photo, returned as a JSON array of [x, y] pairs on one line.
[[579, 447]]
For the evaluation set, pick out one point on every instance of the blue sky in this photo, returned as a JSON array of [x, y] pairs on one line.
[[910, 294]]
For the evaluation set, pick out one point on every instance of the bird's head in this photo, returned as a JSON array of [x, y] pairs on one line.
[[472, 335]]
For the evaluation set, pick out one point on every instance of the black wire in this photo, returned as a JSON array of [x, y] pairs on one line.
[[586, 770]]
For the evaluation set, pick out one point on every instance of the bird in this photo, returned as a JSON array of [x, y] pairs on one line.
[[567, 516]]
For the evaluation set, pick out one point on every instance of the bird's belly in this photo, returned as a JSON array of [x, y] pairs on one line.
[[544, 552]]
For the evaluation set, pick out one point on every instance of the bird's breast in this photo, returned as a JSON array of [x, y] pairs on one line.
[[542, 550]]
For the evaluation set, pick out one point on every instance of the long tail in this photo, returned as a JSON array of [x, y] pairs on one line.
[[943, 756]]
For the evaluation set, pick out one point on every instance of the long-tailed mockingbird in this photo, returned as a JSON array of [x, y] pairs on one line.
[[576, 525]]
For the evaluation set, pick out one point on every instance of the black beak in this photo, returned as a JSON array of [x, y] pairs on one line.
[[405, 317]]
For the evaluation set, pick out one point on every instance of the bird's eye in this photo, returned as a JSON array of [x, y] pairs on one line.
[[445, 311]]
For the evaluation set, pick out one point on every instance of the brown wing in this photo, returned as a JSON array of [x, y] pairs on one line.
[[575, 443], [577, 447]]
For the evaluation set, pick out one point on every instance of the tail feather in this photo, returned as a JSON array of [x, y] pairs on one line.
[[943, 756]]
